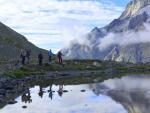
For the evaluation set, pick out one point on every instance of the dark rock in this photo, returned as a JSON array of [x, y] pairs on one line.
[[1, 96], [83, 90], [65, 91], [24, 107], [9, 87], [2, 92], [65, 74], [12, 102]]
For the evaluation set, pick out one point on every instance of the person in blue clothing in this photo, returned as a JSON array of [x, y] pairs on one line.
[[50, 55]]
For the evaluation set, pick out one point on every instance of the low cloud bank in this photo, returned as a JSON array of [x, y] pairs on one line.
[[125, 38]]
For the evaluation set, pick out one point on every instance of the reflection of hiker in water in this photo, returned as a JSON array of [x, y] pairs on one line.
[[59, 57], [60, 91], [28, 54], [41, 92], [50, 91], [50, 55], [26, 97], [23, 57], [40, 59], [29, 97]]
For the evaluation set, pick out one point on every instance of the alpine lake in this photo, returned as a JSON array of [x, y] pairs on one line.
[[127, 94]]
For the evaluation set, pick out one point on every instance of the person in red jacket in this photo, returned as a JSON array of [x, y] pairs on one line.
[[59, 57]]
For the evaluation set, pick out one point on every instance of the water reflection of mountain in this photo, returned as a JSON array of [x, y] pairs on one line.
[[132, 92]]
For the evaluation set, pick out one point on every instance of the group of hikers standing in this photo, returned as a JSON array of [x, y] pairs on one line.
[[26, 55]]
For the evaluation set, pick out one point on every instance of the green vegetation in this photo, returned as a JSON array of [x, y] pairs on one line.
[[25, 71], [80, 65]]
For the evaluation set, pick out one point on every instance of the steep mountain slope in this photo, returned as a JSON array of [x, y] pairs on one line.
[[11, 44], [137, 13]]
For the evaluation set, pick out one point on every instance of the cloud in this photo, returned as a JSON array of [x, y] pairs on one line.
[[126, 38], [67, 18]]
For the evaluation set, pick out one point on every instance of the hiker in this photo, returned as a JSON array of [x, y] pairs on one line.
[[40, 58], [26, 98], [23, 57], [29, 97], [50, 55], [60, 91], [59, 57], [50, 92], [41, 92], [28, 53]]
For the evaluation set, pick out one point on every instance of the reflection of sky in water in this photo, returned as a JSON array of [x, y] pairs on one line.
[[132, 92], [73, 101], [129, 83]]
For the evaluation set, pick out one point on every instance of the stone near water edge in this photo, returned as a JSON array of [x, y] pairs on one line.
[[96, 64], [65, 91], [2, 92], [12, 102], [83, 90], [24, 107]]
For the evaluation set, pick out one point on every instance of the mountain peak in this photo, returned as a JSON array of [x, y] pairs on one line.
[[133, 7], [131, 21]]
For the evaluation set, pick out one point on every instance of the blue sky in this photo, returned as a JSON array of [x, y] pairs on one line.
[[54, 23], [122, 3]]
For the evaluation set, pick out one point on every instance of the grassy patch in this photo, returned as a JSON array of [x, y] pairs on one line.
[[122, 68], [78, 65], [24, 72]]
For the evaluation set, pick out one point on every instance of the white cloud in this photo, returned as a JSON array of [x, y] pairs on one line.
[[126, 38], [70, 19]]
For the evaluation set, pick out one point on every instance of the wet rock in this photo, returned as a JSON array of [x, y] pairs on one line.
[[10, 91], [50, 91], [24, 107], [2, 92], [96, 64], [65, 74], [65, 91], [12, 102], [9, 87], [83, 90], [2, 100]]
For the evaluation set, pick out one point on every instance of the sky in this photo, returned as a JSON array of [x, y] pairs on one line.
[[52, 24]]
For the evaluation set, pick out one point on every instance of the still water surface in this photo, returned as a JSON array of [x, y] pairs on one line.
[[130, 94]]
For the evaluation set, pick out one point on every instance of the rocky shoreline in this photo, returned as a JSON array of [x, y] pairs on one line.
[[10, 88]]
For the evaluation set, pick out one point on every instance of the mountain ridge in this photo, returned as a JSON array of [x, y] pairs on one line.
[[11, 44], [130, 21]]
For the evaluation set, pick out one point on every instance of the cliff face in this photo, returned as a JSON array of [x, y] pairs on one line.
[[133, 7], [11, 44], [137, 13]]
